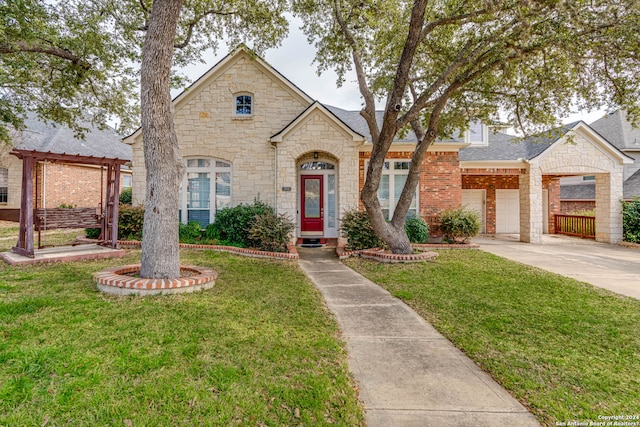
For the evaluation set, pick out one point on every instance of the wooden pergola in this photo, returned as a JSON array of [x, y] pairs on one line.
[[106, 219]]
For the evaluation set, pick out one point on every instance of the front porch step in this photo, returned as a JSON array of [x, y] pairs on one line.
[[316, 242]]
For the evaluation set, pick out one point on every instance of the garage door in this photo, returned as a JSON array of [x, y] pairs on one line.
[[507, 211], [474, 199]]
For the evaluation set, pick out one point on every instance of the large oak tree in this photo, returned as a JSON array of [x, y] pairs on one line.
[[442, 64], [67, 58]]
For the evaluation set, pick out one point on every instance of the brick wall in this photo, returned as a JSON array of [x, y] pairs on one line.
[[491, 183], [568, 207], [77, 185], [440, 185]]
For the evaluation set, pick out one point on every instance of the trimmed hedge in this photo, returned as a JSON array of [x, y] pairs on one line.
[[417, 230], [233, 225]]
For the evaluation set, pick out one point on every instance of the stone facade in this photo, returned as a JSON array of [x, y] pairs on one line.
[[582, 155]]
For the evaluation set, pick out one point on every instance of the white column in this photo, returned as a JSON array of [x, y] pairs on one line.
[[608, 206], [531, 205]]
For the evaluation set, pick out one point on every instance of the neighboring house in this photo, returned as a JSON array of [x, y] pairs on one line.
[[579, 193], [245, 131], [60, 183]]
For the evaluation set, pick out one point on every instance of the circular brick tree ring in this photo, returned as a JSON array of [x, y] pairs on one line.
[[123, 281]]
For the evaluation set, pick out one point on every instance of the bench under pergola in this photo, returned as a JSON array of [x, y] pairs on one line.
[[104, 217]]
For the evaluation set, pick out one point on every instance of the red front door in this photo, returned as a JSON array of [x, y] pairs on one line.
[[312, 212]]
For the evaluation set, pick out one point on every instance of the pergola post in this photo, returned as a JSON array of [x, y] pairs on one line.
[[25, 236]]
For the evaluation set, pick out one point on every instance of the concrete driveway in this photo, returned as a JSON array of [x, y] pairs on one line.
[[611, 267]]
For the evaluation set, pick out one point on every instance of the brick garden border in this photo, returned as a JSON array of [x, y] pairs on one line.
[[119, 281], [425, 254], [254, 253]]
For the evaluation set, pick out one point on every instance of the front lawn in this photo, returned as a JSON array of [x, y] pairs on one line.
[[566, 350], [258, 349]]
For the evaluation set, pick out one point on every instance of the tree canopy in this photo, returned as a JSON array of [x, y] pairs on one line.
[[65, 61], [443, 64]]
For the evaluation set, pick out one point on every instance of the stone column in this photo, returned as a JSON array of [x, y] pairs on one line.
[[531, 205], [608, 206]]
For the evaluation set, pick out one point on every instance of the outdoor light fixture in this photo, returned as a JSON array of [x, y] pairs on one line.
[[315, 155]]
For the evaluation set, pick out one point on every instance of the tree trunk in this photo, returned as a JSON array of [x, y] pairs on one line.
[[160, 250]]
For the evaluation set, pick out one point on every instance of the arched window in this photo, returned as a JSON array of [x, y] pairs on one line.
[[4, 185], [197, 191], [244, 105]]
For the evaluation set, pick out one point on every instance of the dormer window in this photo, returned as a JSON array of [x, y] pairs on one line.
[[477, 134], [244, 105]]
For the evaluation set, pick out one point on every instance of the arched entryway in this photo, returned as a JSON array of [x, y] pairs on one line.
[[318, 195]]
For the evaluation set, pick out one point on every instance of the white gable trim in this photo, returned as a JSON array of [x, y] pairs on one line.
[[316, 106], [592, 137], [214, 72]]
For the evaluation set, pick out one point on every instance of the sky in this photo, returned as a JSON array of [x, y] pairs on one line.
[[294, 60]]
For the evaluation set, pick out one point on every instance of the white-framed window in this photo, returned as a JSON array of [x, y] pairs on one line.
[[243, 105], [126, 181], [4, 185], [205, 190], [394, 176], [477, 134]]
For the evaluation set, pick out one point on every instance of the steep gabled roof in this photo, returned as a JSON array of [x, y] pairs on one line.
[[316, 106], [220, 67], [508, 147], [59, 139]]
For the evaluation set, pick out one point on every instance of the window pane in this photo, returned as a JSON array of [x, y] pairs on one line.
[[401, 165], [398, 185], [385, 166], [200, 216], [198, 190], [223, 190], [243, 105], [476, 133], [383, 194], [331, 203], [4, 185], [221, 164], [312, 198], [198, 163], [317, 166]]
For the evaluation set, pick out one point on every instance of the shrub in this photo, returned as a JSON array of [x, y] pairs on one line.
[[417, 230], [356, 227], [126, 196], [233, 225], [631, 220], [92, 233], [190, 232], [130, 222], [459, 223], [270, 232], [66, 206]]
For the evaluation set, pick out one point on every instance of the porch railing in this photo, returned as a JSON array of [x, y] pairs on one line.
[[576, 225]]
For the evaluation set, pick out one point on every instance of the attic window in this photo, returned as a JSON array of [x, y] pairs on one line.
[[244, 105], [477, 134]]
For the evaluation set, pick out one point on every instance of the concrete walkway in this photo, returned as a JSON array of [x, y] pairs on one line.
[[611, 267], [408, 374]]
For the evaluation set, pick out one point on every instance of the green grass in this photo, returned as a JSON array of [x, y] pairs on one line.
[[258, 349], [566, 350]]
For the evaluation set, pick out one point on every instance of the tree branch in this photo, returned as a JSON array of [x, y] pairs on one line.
[[191, 25], [25, 47]]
